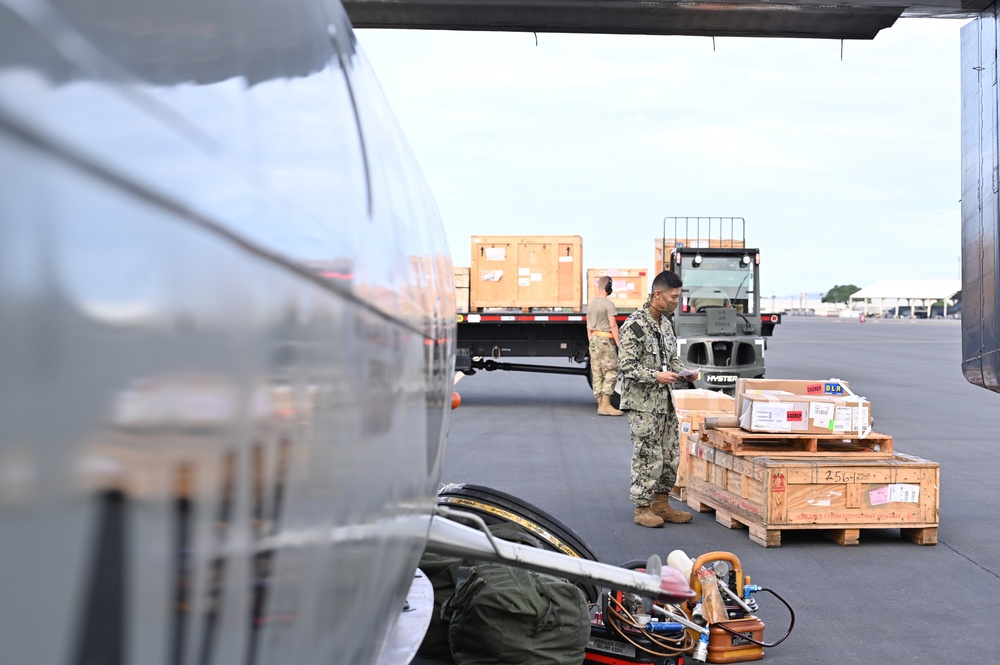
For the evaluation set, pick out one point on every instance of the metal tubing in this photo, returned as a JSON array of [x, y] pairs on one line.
[[450, 538], [680, 618], [729, 592], [492, 365]]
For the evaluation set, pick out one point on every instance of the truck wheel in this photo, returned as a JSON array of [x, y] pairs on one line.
[[495, 506], [590, 375]]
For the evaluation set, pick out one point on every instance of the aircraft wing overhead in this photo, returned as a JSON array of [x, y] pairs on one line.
[[743, 18]]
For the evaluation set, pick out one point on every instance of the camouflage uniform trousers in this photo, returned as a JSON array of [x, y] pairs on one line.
[[603, 365], [655, 454]]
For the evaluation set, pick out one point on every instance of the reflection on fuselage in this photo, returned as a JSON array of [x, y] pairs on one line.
[[226, 320]]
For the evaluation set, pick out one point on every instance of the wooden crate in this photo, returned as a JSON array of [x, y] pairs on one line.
[[840, 496], [631, 286], [526, 272], [683, 465], [690, 426], [461, 277], [461, 289], [664, 247], [754, 444]]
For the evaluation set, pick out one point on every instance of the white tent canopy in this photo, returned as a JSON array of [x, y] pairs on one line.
[[913, 292]]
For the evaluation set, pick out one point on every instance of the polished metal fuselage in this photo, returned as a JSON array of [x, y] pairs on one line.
[[226, 337], [981, 202]]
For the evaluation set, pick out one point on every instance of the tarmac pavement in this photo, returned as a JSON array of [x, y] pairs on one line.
[[886, 600]]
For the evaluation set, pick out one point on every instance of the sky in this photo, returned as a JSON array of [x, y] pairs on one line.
[[845, 166]]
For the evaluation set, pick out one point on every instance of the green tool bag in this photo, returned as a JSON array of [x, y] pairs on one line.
[[448, 573], [442, 571], [502, 615]]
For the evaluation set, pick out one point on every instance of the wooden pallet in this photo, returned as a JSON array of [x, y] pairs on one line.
[[743, 443], [766, 536]]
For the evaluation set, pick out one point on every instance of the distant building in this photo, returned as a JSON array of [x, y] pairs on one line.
[[911, 298], [805, 304]]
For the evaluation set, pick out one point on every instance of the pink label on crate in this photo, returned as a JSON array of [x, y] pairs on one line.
[[794, 416], [814, 389], [878, 495]]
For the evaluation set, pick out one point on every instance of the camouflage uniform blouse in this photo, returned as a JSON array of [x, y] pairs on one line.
[[646, 346]]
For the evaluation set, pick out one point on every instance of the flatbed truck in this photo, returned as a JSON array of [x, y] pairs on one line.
[[486, 339], [724, 339]]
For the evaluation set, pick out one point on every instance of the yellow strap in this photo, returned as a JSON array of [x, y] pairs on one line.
[[601, 333]]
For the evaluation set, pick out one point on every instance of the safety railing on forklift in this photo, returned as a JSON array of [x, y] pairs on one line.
[[702, 228]]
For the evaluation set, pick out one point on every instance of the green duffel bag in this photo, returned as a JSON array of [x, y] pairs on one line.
[[442, 571], [502, 615]]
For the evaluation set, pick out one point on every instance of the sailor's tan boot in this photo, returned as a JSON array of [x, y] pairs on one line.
[[644, 516], [661, 507], [604, 407]]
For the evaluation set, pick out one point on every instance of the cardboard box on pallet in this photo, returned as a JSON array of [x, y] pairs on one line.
[[783, 412], [815, 388], [694, 404], [699, 399]]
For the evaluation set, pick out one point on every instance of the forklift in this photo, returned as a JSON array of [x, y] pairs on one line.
[[721, 331]]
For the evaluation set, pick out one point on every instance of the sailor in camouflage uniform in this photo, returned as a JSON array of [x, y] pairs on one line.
[[649, 366]]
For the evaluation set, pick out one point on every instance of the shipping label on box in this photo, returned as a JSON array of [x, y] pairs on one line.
[[770, 415], [491, 275]]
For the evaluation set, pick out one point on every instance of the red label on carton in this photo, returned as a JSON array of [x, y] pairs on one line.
[[794, 416], [814, 389]]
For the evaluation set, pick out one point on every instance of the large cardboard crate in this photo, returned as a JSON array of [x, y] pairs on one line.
[[664, 247], [461, 289], [526, 272], [840, 496], [631, 286]]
